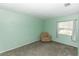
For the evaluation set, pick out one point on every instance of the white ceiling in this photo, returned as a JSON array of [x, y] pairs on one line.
[[43, 9]]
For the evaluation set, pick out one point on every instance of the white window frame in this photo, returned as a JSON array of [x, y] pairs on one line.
[[73, 30]]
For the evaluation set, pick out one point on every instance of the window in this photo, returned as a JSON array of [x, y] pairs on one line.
[[65, 28]]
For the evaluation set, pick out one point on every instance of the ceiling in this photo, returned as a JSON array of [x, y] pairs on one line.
[[43, 9]]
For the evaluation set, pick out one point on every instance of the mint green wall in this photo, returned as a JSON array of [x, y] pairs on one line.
[[50, 26], [18, 29], [78, 36]]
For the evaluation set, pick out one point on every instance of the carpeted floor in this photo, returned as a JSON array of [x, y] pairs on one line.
[[43, 49]]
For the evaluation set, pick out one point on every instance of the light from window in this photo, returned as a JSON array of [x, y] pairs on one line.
[[65, 28]]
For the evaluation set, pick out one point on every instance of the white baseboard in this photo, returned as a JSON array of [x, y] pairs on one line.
[[18, 46]]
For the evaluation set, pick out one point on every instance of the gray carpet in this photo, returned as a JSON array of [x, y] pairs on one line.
[[43, 49]]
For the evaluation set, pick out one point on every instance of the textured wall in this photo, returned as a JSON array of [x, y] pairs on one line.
[[17, 29]]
